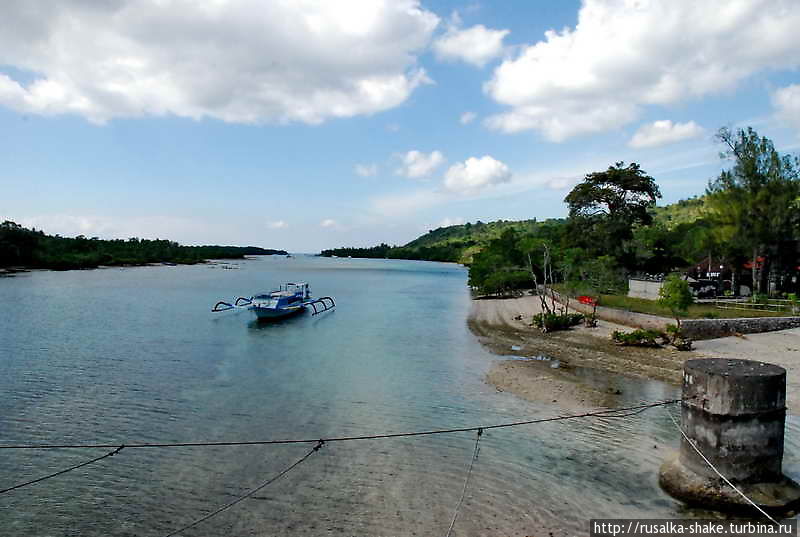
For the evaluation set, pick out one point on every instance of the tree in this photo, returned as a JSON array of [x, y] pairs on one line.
[[676, 295], [653, 248], [754, 200], [619, 193], [606, 206]]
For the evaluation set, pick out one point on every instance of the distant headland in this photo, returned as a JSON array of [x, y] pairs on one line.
[[30, 248]]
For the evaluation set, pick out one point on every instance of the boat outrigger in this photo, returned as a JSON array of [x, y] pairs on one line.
[[288, 299]]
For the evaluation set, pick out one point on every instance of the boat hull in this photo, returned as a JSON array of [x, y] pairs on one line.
[[277, 313]]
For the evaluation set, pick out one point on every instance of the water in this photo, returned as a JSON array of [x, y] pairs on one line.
[[134, 355]]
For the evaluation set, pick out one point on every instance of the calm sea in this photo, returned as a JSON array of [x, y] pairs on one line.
[[134, 355]]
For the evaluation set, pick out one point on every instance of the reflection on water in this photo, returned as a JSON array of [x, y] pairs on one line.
[[134, 355]]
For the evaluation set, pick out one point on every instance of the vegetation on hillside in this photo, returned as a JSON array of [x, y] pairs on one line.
[[682, 212], [453, 243], [22, 247], [748, 219]]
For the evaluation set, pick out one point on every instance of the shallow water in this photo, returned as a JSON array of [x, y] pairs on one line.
[[134, 355]]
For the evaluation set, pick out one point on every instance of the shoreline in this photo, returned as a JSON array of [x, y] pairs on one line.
[[11, 271], [502, 325]]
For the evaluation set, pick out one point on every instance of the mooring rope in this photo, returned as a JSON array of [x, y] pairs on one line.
[[62, 472], [609, 413], [250, 493], [711, 465], [466, 482]]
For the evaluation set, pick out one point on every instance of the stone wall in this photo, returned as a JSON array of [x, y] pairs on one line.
[[692, 328], [714, 328]]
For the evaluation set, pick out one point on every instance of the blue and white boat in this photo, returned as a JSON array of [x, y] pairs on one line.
[[289, 299]]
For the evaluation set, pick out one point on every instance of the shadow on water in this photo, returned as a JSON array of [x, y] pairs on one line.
[[268, 324], [294, 320]]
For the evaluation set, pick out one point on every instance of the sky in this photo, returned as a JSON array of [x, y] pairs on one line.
[[312, 124]]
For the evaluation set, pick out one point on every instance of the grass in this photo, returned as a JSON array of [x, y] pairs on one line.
[[696, 311]]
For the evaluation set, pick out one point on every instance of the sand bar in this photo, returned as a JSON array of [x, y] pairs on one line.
[[503, 325]]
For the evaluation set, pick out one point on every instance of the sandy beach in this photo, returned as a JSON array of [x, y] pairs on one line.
[[503, 326]]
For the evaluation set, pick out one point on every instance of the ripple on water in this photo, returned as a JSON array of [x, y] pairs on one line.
[[396, 356]]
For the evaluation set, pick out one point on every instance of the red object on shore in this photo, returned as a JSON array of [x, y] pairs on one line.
[[583, 299], [759, 263]]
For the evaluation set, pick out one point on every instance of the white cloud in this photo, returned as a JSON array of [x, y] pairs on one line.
[[417, 164], [70, 225], [562, 183], [664, 132], [277, 224], [476, 45], [245, 61], [447, 222], [114, 227], [475, 174], [787, 104], [467, 117], [329, 223], [393, 205], [625, 54], [366, 170]]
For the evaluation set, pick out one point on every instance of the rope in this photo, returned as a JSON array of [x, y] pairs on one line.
[[609, 413], [626, 414], [466, 482], [725, 479], [247, 495], [61, 472]]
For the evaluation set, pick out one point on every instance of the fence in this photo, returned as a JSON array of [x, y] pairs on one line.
[[772, 304]]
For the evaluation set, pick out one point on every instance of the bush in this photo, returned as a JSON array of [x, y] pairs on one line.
[[549, 322], [676, 338], [673, 330], [637, 338], [505, 282]]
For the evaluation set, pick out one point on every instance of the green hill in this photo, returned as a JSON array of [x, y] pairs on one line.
[[682, 212], [466, 240], [460, 243], [453, 243]]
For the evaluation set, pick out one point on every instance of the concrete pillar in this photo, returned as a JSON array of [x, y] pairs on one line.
[[734, 412]]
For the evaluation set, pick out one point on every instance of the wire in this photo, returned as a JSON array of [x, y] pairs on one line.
[[466, 482], [247, 495], [61, 472], [725, 479], [609, 413]]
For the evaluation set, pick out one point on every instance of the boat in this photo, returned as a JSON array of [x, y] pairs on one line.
[[289, 299]]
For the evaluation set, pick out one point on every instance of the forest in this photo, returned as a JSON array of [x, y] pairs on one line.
[[29, 248]]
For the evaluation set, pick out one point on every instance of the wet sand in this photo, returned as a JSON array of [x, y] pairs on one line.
[[503, 323]]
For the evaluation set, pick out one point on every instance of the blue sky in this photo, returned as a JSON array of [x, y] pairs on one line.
[[315, 124]]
